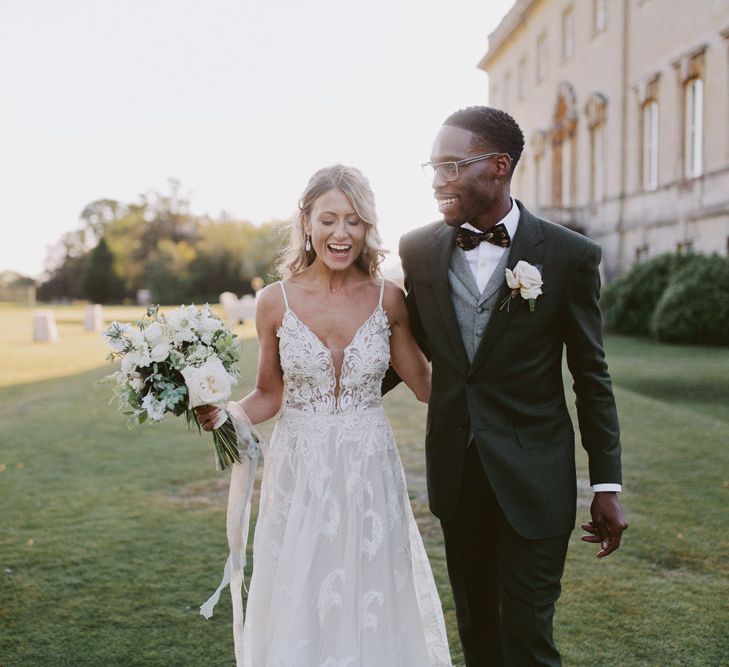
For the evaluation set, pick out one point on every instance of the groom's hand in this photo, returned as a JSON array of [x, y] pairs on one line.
[[608, 522]]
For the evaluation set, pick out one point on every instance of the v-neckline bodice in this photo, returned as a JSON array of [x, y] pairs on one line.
[[315, 382], [344, 349], [335, 376]]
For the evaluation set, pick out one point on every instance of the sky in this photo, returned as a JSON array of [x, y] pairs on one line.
[[239, 100]]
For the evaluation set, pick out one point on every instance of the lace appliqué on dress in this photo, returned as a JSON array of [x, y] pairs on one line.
[[335, 533]]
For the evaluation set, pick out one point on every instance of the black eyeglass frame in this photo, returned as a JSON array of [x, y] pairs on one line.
[[456, 163]]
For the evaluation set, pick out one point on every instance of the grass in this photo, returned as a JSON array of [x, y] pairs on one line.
[[77, 350], [109, 541]]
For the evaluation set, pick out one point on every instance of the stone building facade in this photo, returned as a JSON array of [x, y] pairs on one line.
[[625, 110]]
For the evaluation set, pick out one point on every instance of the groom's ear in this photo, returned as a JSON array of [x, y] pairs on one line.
[[503, 167]]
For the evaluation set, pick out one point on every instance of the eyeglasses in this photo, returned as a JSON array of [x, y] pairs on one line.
[[448, 171]]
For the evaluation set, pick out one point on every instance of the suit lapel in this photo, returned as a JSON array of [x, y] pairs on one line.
[[527, 246], [440, 255]]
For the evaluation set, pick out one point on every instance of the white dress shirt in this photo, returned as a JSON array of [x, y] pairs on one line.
[[484, 258]]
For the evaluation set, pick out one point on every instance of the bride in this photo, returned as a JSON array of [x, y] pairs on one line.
[[340, 575]]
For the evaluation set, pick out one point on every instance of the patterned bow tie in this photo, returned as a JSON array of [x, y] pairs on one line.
[[468, 240]]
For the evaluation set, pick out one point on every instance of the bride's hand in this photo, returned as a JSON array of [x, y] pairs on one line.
[[207, 416]]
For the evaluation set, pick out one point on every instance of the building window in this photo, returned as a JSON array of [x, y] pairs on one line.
[[650, 145], [641, 253], [693, 92], [522, 178], [596, 113], [506, 94], [599, 16], [568, 34], [539, 144], [521, 79], [563, 135], [541, 57], [597, 184], [685, 247], [567, 151]]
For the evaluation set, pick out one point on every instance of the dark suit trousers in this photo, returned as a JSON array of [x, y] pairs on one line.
[[504, 585]]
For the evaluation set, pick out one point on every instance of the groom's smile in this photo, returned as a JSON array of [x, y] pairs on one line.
[[445, 202], [474, 195]]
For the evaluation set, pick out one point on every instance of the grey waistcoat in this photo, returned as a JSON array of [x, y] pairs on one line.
[[472, 309]]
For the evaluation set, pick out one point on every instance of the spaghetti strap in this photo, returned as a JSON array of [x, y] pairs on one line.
[[382, 289], [286, 301]]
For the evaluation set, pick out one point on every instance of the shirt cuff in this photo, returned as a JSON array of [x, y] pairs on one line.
[[607, 487]]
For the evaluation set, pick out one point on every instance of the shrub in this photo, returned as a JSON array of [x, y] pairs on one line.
[[628, 303], [694, 308]]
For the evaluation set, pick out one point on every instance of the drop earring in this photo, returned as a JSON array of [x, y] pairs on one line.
[[308, 243]]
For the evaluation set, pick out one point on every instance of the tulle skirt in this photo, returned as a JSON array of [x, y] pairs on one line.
[[340, 574]]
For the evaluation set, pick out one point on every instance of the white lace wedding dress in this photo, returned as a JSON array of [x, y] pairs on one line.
[[340, 575]]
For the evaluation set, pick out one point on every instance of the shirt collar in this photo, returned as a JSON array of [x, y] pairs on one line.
[[510, 220]]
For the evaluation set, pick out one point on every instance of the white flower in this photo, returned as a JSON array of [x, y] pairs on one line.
[[160, 352], [134, 359], [154, 334], [525, 278], [121, 336], [197, 354], [155, 409], [137, 339], [136, 382], [182, 321], [207, 326], [210, 384], [116, 344]]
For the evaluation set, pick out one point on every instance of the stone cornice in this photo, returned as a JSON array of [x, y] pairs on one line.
[[690, 65], [513, 19]]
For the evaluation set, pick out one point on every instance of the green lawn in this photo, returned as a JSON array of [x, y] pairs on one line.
[[109, 541]]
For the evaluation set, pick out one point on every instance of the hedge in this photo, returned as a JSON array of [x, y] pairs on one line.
[[694, 308], [628, 303]]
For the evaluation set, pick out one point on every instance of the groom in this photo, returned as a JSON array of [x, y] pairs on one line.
[[499, 441]]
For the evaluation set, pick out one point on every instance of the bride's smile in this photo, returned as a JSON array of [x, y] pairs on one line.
[[337, 232]]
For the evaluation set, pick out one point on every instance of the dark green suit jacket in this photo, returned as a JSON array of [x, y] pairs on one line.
[[511, 397]]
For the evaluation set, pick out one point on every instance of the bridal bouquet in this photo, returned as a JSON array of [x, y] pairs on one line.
[[174, 363]]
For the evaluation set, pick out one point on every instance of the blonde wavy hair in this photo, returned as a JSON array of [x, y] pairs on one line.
[[354, 184]]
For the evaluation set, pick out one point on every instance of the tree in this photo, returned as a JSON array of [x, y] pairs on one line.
[[64, 268], [100, 282], [156, 243], [99, 214]]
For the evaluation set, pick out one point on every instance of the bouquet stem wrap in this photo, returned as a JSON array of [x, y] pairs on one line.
[[237, 522]]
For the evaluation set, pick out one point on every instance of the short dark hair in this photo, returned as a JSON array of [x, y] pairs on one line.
[[493, 129]]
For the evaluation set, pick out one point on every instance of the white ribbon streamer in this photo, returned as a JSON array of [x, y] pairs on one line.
[[242, 476]]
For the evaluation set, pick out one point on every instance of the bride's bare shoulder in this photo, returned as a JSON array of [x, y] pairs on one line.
[[393, 300], [270, 304]]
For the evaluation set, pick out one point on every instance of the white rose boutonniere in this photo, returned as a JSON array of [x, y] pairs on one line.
[[526, 281]]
